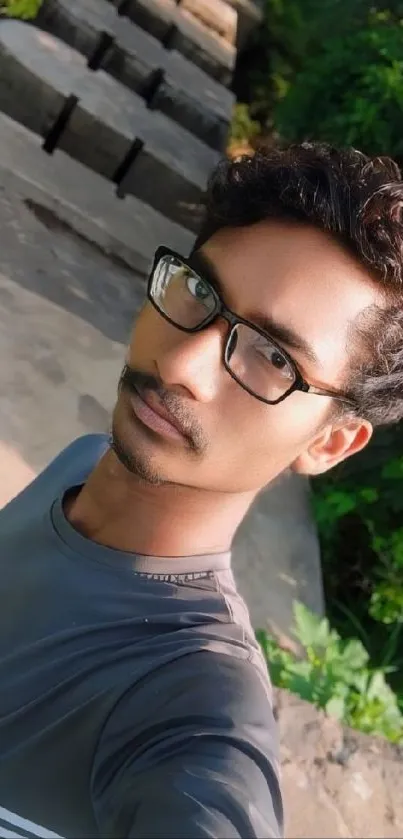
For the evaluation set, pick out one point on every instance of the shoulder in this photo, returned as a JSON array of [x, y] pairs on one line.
[[206, 691], [72, 466], [222, 680], [201, 731], [79, 457]]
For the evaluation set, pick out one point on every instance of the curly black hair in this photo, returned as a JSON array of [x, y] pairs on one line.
[[359, 201]]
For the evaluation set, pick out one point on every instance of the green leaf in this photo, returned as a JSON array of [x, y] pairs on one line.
[[369, 495], [311, 630], [393, 469], [23, 9], [354, 655], [360, 680], [302, 687], [300, 667], [336, 677], [379, 689], [336, 707], [386, 604]]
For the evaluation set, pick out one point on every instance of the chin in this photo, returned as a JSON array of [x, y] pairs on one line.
[[134, 452]]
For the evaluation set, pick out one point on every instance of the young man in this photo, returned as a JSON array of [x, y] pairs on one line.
[[133, 697]]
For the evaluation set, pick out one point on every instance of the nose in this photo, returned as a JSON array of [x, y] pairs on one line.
[[194, 361]]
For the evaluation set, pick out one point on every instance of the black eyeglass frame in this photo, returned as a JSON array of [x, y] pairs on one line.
[[221, 310]]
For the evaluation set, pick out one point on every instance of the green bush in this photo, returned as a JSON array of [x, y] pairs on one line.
[[335, 675], [350, 92], [359, 512], [291, 32], [23, 9], [312, 54], [361, 517]]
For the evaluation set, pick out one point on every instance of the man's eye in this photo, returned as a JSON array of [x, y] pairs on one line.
[[281, 364], [197, 288], [278, 360], [275, 358]]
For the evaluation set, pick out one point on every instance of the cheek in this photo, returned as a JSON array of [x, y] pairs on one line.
[[143, 334], [259, 426], [297, 418], [268, 438]]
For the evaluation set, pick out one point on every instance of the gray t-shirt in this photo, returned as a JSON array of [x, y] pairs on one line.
[[134, 700]]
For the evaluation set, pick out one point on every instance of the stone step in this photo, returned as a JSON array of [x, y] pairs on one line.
[[48, 87], [84, 201], [250, 16], [217, 15], [167, 80], [180, 30]]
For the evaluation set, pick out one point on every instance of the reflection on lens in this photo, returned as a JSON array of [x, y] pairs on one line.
[[259, 364], [181, 294], [233, 340]]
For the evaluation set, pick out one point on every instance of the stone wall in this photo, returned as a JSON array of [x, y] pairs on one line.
[[336, 782]]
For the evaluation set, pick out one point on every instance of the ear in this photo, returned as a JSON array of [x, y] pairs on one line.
[[334, 444]]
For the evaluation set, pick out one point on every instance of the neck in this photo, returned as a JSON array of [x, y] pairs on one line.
[[117, 510]]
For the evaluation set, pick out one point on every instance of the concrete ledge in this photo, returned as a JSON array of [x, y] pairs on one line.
[[167, 80], [170, 167], [178, 30], [336, 782], [276, 557], [15, 474], [210, 52], [204, 109], [249, 17], [154, 16], [128, 230], [216, 15]]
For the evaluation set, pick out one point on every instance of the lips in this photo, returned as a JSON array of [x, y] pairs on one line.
[[152, 401]]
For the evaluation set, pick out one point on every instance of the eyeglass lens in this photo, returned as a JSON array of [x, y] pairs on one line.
[[189, 301]]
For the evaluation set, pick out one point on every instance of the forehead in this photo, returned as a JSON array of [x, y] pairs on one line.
[[300, 277]]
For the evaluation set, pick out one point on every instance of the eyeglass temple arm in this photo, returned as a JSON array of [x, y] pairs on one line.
[[340, 397]]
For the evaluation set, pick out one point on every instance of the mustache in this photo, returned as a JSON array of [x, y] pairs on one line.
[[136, 381]]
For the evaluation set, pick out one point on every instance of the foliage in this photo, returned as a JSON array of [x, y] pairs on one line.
[[358, 81], [243, 127], [376, 510], [291, 32], [359, 512], [345, 87], [23, 9], [335, 675]]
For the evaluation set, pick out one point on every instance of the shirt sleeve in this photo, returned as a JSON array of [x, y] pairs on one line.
[[190, 753]]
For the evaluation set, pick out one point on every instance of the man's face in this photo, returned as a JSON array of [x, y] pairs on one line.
[[299, 278]]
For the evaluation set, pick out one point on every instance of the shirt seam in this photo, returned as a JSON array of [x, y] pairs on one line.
[[230, 611], [232, 618], [75, 551], [75, 555]]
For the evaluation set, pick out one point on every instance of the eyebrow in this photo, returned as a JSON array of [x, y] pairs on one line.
[[280, 332]]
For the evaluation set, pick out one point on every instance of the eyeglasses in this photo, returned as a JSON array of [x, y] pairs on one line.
[[251, 357]]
